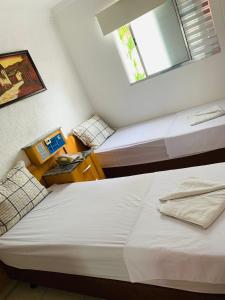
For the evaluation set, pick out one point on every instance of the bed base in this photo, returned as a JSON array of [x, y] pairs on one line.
[[104, 288], [211, 157]]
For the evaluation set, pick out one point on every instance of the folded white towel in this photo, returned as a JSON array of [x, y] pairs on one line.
[[206, 115], [195, 201]]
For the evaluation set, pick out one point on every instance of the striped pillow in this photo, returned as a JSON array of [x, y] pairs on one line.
[[93, 132], [20, 192]]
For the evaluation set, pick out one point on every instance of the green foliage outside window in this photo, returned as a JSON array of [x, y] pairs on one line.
[[128, 41]]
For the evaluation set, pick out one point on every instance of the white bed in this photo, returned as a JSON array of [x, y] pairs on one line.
[[112, 229], [162, 139]]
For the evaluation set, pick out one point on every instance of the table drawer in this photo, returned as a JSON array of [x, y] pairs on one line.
[[86, 171]]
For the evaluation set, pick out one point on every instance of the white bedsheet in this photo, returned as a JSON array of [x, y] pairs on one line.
[[78, 229], [164, 248], [136, 144]]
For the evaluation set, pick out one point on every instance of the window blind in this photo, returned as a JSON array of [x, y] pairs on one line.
[[196, 18]]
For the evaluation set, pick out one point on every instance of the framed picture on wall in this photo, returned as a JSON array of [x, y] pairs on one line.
[[19, 78]]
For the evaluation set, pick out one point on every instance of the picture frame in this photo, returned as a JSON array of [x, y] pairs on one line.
[[19, 77]]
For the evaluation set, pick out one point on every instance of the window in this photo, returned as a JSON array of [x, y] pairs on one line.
[[176, 32]]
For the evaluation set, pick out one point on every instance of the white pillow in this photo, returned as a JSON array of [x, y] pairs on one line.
[[20, 192], [93, 132]]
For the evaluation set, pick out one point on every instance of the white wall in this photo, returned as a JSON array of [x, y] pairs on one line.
[[63, 104], [102, 73]]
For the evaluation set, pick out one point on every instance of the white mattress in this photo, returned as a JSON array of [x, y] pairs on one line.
[[162, 139], [112, 229]]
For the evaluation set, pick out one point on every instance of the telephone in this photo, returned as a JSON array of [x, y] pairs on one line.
[[67, 159]]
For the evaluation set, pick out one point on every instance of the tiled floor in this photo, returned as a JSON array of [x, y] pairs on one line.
[[22, 291]]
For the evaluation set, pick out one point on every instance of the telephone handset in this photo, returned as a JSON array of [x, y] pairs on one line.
[[67, 159]]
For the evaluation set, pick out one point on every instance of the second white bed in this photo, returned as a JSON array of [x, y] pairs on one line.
[[162, 139]]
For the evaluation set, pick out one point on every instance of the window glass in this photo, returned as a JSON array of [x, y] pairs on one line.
[[159, 39]]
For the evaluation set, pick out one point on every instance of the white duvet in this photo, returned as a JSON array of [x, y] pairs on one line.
[[112, 229]]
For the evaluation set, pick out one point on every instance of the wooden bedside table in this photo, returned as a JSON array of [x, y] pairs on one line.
[[87, 170]]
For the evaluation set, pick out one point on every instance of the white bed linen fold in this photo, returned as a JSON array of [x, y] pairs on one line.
[[162, 248], [210, 113], [193, 186], [196, 201]]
